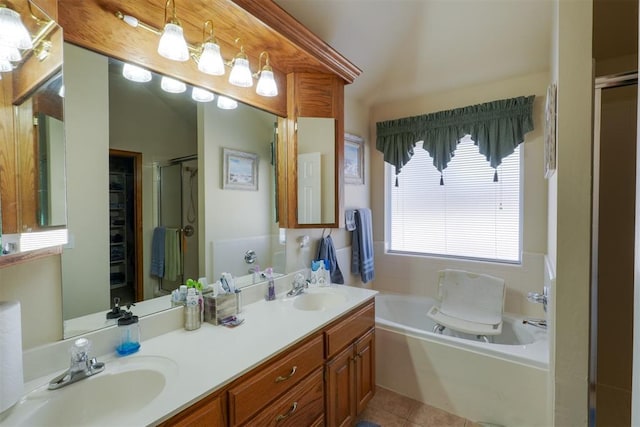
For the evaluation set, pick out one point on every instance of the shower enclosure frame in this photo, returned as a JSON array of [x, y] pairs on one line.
[[158, 216]]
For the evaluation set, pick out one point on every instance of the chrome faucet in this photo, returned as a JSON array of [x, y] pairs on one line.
[[298, 286], [542, 298], [81, 365], [538, 323]]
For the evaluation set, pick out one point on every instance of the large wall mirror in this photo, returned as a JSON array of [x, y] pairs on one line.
[[141, 158], [316, 170]]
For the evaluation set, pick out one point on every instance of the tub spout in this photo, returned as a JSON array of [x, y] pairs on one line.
[[538, 323], [438, 329]]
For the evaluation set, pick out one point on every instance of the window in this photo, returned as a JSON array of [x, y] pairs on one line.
[[470, 216]]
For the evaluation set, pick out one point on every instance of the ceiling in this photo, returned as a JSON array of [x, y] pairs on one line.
[[414, 47]]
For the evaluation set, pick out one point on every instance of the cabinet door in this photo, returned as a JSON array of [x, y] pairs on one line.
[[341, 404], [365, 370]]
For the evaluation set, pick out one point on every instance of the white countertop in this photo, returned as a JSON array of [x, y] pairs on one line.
[[208, 358]]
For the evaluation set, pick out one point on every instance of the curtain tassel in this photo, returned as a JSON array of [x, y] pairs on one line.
[[495, 176], [441, 180]]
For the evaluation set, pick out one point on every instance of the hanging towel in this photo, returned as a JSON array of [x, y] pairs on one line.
[[362, 246], [350, 220], [327, 251], [157, 252], [172, 254]]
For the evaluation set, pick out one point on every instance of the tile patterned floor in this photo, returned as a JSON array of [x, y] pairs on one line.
[[390, 409]]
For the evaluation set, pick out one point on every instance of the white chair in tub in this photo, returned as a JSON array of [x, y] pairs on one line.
[[469, 302]]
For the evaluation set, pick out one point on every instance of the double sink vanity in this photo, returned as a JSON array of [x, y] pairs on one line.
[[303, 360]]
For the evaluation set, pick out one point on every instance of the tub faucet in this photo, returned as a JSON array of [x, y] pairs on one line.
[[81, 365], [542, 298], [298, 286], [538, 323]]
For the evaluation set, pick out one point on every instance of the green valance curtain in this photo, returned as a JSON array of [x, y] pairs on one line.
[[496, 127]]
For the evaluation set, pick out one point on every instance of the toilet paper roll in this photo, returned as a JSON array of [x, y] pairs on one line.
[[11, 379]]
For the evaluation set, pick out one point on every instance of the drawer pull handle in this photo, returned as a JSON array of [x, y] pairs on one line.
[[281, 378], [288, 414]]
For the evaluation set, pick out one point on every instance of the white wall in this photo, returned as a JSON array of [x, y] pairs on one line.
[[570, 306], [36, 284], [84, 261], [417, 275]]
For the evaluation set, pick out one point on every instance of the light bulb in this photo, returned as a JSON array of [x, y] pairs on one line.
[[5, 66], [241, 73], [135, 73], [201, 95], [13, 33], [172, 85], [267, 83], [9, 53], [172, 43], [227, 103], [210, 60]]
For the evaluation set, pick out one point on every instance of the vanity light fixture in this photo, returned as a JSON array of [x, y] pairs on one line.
[[208, 55], [225, 103], [172, 85], [201, 95], [13, 33], [135, 73], [240, 72], [210, 60], [266, 81], [172, 43]]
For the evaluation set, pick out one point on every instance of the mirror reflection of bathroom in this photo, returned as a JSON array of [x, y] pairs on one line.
[[177, 195]]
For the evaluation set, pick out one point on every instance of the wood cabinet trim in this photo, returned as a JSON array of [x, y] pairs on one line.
[[278, 19]]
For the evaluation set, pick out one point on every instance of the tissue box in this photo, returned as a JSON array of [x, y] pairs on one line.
[[220, 307]]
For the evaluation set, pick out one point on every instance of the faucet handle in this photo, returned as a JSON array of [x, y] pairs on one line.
[[80, 350]]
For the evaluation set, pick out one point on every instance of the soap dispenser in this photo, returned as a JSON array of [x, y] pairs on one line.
[[129, 333]]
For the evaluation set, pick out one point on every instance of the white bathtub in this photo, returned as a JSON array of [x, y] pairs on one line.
[[505, 382]]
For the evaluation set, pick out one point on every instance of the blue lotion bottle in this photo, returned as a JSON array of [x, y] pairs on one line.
[[129, 334]]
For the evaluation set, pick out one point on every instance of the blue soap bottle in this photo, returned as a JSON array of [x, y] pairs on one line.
[[129, 334]]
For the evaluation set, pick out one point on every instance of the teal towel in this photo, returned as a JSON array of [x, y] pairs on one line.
[[172, 254]]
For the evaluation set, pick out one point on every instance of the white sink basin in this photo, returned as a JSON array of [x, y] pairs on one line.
[[319, 299], [125, 386]]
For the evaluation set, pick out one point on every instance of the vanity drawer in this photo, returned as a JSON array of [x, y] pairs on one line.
[[301, 406], [251, 395], [348, 330]]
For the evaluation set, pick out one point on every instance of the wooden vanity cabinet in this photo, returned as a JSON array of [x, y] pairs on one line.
[[208, 412], [350, 369], [327, 380]]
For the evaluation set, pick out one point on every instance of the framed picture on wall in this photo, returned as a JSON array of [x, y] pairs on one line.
[[240, 170], [353, 159], [550, 132]]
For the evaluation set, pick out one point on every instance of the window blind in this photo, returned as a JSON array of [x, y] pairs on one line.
[[471, 216]]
